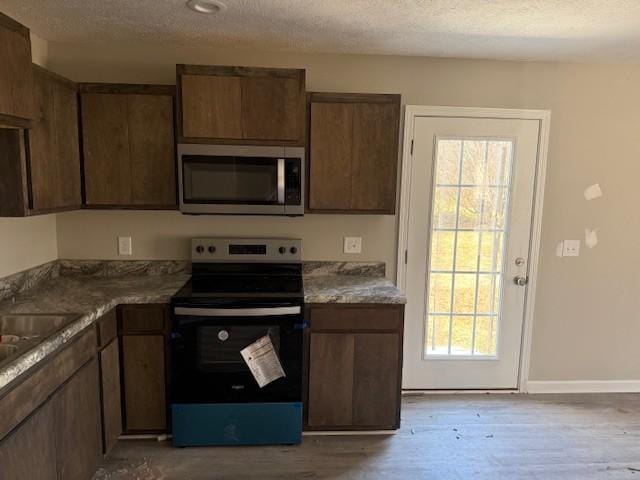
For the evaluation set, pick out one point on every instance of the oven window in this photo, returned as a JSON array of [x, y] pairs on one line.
[[240, 180], [219, 347]]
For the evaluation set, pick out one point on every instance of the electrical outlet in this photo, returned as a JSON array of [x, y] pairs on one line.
[[571, 248], [124, 246], [352, 244]]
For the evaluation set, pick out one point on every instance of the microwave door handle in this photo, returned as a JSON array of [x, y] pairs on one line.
[[237, 312], [281, 181]]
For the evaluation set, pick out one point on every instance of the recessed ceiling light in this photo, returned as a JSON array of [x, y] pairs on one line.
[[206, 6]]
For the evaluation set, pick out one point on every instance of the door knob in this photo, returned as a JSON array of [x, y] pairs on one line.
[[520, 280]]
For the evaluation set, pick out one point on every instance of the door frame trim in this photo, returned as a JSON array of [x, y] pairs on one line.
[[544, 117]]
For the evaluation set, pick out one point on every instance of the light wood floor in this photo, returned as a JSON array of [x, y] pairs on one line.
[[498, 436]]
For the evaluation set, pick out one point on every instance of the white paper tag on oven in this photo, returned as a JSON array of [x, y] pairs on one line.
[[263, 361]]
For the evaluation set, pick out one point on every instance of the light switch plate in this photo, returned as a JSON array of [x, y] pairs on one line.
[[124, 246], [352, 244], [571, 248]]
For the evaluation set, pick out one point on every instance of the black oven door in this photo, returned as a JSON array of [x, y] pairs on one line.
[[206, 364]]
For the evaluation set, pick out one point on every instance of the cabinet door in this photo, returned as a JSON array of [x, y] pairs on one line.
[[111, 402], [211, 106], [29, 451], [330, 156], [331, 378], [143, 368], [77, 425], [151, 147], [376, 386], [353, 152], [67, 148], [54, 155], [354, 380], [44, 172], [105, 136], [271, 108], [375, 157], [16, 74]]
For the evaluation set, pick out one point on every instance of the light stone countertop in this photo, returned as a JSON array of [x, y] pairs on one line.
[[91, 297], [350, 289], [91, 290]]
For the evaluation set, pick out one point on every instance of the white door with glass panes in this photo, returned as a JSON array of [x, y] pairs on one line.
[[468, 239]]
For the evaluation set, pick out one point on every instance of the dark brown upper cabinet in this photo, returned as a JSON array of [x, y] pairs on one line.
[[16, 74], [353, 152], [41, 166], [240, 105], [128, 147], [54, 144]]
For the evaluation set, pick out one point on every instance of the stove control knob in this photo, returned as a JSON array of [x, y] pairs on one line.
[[293, 250], [212, 249], [223, 335], [282, 250], [199, 249]]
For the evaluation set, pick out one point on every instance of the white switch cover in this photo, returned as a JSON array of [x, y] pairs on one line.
[[571, 248], [352, 244], [124, 245]]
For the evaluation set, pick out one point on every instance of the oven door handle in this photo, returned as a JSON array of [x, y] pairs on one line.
[[281, 175], [237, 312]]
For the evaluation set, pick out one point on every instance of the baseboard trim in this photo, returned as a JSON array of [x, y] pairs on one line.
[[583, 386], [317, 433]]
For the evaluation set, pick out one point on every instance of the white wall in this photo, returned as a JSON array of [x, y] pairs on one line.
[[27, 242], [87, 234], [587, 322]]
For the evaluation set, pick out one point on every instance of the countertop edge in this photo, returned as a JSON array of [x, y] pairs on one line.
[[32, 357]]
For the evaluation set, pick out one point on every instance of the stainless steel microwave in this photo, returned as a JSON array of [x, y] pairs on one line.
[[237, 179]]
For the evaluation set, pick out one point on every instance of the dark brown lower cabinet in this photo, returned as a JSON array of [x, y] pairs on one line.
[[355, 364], [143, 340], [29, 451], [78, 438], [144, 383], [111, 403], [50, 419]]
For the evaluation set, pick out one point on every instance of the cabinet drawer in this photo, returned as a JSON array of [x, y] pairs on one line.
[[356, 318], [107, 327], [143, 318]]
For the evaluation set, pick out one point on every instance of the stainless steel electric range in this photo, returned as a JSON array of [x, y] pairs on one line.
[[243, 305]]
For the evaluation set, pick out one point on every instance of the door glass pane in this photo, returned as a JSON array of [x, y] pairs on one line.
[[445, 206], [468, 225], [461, 335], [438, 334], [442, 245]]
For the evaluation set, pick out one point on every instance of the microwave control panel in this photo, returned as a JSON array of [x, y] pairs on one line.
[[293, 182]]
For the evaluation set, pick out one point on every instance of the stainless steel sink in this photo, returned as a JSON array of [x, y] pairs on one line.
[[29, 326], [7, 350], [24, 331]]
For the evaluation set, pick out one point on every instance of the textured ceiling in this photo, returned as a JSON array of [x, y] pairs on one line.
[[575, 30]]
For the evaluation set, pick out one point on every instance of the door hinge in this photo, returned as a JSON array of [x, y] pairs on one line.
[[411, 147], [406, 256]]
